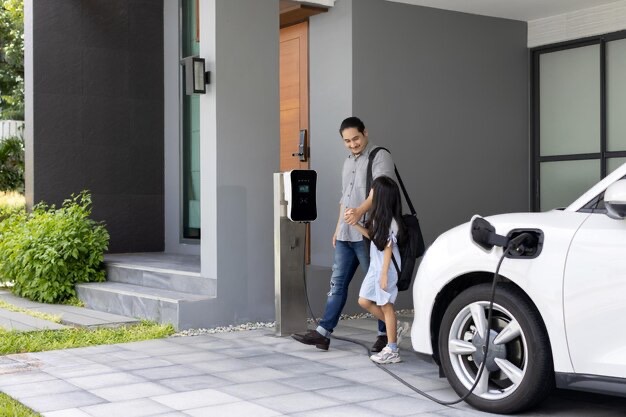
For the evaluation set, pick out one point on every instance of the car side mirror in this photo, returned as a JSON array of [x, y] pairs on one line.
[[615, 200]]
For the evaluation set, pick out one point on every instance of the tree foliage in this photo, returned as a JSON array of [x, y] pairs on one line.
[[12, 59]]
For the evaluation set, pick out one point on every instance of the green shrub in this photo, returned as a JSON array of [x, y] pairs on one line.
[[12, 164], [45, 253]]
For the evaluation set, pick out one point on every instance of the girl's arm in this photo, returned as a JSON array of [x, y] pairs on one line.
[[361, 229], [385, 267]]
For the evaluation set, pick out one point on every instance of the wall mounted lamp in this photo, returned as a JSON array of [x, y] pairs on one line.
[[196, 78]]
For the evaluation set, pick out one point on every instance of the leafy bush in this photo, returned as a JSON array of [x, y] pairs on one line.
[[12, 164], [45, 253]]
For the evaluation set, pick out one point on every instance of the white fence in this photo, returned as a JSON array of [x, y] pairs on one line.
[[10, 128]]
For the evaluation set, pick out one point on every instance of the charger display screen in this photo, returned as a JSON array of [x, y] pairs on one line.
[[304, 188]]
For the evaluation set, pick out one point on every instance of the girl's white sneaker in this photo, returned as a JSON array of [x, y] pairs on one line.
[[386, 356]]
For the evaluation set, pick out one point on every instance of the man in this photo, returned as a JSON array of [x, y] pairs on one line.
[[350, 248]]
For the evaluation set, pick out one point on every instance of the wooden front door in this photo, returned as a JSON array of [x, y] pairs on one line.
[[294, 103], [294, 96]]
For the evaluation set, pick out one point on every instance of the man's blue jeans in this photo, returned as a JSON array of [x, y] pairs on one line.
[[348, 256]]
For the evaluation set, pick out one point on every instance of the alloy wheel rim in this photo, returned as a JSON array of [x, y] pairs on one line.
[[507, 359]]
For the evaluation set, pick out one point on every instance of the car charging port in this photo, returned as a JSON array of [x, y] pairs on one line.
[[524, 243]]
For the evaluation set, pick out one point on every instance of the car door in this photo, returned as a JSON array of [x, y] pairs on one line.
[[594, 289]]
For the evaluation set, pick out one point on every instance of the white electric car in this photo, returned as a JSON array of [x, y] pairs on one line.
[[559, 312]]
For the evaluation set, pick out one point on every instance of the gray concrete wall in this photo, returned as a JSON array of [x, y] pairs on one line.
[[446, 92], [97, 113], [247, 107]]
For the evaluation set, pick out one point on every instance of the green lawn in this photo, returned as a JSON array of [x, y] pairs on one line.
[[37, 341], [11, 408]]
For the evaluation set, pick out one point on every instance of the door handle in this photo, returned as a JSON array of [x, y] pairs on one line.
[[302, 147]]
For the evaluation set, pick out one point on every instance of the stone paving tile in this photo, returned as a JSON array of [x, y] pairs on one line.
[[195, 399], [133, 408], [234, 409], [351, 362], [124, 354], [167, 372], [60, 401], [349, 410], [169, 349], [23, 378], [192, 383], [144, 363], [253, 375], [131, 391], [256, 390], [297, 402], [249, 351], [73, 412], [54, 386], [105, 380], [355, 393], [314, 382], [276, 360], [366, 375], [197, 357], [215, 345], [222, 365], [401, 406], [292, 379], [272, 340], [307, 368], [65, 361]]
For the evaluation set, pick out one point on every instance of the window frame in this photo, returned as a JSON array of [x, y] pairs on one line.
[[604, 154]]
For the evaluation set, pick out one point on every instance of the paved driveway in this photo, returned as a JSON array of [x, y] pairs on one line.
[[249, 373]]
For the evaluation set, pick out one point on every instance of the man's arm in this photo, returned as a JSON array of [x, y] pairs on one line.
[[338, 223], [352, 216], [381, 165]]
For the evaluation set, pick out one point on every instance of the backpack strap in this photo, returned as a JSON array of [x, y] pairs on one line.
[[368, 183], [395, 263], [368, 186]]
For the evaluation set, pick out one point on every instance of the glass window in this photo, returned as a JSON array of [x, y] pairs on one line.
[[190, 129], [562, 182], [616, 95], [570, 101], [613, 163], [579, 101]]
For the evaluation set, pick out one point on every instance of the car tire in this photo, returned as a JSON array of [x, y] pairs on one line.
[[519, 369]]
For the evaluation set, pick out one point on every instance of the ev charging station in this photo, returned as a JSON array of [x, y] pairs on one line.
[[294, 207]]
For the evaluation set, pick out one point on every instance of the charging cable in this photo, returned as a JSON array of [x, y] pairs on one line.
[[511, 246]]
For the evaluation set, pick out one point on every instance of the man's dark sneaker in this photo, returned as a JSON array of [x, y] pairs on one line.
[[312, 337], [379, 344]]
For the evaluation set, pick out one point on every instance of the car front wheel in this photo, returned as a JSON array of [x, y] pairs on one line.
[[518, 371]]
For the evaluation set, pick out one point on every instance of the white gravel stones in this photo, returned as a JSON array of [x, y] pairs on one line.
[[270, 324]]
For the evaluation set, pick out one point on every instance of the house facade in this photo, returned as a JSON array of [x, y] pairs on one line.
[[449, 93]]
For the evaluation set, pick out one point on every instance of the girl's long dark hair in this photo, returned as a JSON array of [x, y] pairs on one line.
[[386, 206]]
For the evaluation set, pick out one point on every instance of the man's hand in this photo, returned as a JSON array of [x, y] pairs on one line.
[[335, 240], [352, 216]]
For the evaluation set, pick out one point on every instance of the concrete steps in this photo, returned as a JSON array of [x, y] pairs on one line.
[[159, 287]]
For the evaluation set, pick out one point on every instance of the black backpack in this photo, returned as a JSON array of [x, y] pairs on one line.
[[412, 246]]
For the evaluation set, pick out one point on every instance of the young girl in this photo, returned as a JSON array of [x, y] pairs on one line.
[[379, 291]]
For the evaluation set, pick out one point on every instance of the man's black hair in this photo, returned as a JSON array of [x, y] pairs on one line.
[[352, 122]]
